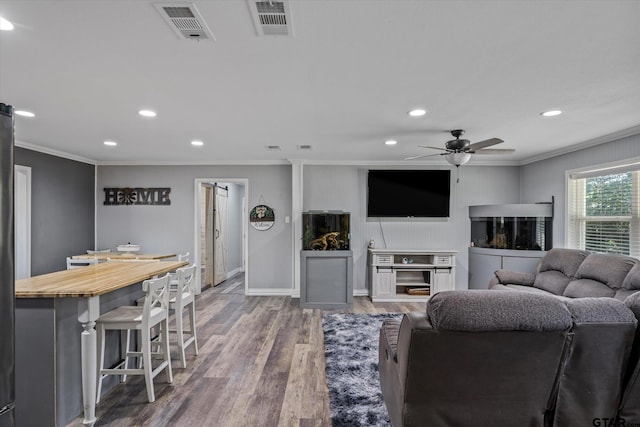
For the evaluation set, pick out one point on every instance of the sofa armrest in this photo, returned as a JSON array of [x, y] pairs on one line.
[[413, 323], [508, 277]]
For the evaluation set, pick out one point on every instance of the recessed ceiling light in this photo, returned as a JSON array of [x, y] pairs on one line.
[[197, 143], [417, 112], [551, 113], [391, 142], [110, 143], [24, 113], [147, 113], [5, 25]]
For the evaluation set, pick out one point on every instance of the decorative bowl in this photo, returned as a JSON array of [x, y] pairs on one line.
[[128, 248]]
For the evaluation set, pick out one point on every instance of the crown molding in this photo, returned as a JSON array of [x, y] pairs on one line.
[[51, 152], [584, 145], [191, 163]]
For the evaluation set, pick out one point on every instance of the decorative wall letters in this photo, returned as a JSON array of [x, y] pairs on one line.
[[137, 196]]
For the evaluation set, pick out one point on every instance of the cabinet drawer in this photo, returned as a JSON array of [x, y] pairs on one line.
[[442, 260], [384, 259]]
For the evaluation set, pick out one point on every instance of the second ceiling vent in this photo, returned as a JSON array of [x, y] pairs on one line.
[[185, 20], [271, 18]]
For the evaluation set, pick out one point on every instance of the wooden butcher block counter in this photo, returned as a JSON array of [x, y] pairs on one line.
[[56, 348], [93, 280]]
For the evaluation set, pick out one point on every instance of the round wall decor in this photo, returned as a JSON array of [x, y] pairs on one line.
[[262, 217]]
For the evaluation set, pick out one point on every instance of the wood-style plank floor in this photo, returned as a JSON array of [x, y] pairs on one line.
[[261, 363]]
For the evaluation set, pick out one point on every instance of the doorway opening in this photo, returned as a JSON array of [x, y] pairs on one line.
[[221, 234], [22, 219]]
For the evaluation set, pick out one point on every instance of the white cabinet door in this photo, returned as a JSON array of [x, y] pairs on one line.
[[442, 280], [384, 282]]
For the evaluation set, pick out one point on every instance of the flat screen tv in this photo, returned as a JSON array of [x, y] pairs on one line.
[[408, 193]]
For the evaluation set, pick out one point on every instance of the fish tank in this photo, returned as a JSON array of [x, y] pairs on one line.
[[517, 227], [326, 230]]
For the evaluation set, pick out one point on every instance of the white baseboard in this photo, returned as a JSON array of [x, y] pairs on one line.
[[361, 292], [234, 272], [269, 292]]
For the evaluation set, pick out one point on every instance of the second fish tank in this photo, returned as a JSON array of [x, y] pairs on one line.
[[519, 227], [325, 230]]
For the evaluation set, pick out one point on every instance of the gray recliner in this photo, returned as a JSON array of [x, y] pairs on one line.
[[481, 358]]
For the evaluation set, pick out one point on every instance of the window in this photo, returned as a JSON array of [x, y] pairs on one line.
[[604, 210]]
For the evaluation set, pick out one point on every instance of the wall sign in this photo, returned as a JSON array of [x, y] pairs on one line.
[[262, 217], [137, 196]]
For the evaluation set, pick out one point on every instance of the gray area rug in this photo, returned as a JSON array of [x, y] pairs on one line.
[[351, 358]]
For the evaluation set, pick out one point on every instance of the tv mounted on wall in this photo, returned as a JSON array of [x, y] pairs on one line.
[[408, 193]]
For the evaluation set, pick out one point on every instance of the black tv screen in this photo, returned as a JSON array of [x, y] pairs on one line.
[[408, 193]]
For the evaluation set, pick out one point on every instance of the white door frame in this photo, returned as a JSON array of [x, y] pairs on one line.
[[198, 182], [22, 219]]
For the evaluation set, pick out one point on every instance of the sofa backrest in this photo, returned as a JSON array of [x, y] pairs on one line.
[[591, 386], [492, 310], [599, 275], [557, 268]]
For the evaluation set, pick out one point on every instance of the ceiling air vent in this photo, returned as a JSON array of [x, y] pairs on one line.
[[304, 147], [272, 18], [185, 20], [272, 147]]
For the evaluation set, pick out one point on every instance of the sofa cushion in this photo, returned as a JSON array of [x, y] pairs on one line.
[[598, 310], [606, 268], [632, 281], [623, 294], [583, 288], [509, 277], [633, 302], [552, 281], [496, 310], [564, 260]]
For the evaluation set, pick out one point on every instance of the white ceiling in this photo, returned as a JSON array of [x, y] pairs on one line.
[[343, 83]]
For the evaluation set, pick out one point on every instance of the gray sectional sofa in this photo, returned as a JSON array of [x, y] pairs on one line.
[[504, 358], [573, 273]]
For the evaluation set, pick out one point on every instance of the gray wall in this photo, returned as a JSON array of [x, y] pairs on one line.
[[546, 178], [62, 209], [171, 228], [345, 188]]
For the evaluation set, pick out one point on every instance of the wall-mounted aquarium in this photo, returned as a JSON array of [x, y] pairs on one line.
[[325, 230], [516, 227]]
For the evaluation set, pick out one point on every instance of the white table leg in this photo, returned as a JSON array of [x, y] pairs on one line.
[[88, 312]]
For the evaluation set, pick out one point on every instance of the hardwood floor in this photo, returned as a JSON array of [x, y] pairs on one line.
[[261, 363]]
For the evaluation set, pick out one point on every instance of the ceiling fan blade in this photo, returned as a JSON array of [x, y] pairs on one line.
[[424, 155], [486, 143], [494, 151], [435, 148]]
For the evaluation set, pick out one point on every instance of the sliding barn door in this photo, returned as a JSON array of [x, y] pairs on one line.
[[208, 235], [220, 236]]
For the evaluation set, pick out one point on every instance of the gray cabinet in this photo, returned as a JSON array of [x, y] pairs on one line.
[[483, 262], [327, 279]]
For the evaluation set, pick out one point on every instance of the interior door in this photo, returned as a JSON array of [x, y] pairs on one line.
[[220, 235]]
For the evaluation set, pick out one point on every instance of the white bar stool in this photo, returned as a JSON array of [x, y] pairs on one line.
[[155, 311], [183, 298]]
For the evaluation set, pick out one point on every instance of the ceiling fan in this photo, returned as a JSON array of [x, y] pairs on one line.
[[458, 151]]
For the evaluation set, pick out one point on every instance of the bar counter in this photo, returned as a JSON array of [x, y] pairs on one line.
[[56, 348]]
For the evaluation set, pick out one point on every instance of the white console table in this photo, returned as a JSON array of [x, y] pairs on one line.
[[409, 274]]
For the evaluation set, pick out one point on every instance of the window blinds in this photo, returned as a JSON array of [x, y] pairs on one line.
[[603, 211]]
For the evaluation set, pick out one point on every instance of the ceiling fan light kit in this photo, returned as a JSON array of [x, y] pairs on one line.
[[457, 159]]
